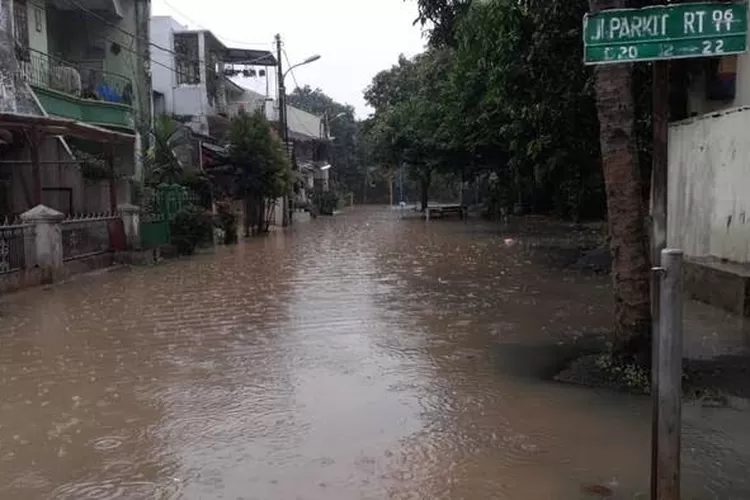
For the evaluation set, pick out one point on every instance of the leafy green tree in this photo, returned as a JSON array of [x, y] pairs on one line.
[[516, 112], [260, 168], [439, 17], [413, 103]]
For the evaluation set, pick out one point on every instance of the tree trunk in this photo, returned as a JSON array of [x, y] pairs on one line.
[[425, 182], [261, 215], [627, 212], [249, 215]]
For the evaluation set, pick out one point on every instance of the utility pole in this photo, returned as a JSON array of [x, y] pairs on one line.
[[287, 215]]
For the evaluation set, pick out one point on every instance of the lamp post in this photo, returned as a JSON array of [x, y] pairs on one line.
[[284, 119]]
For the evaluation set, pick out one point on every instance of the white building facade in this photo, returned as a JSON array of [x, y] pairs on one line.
[[190, 73]]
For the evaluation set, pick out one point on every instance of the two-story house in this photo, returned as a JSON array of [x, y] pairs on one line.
[[81, 66], [192, 72]]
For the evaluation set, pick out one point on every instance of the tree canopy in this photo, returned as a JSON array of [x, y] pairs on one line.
[[256, 153], [494, 97]]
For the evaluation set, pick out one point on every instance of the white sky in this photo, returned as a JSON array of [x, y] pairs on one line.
[[356, 38]]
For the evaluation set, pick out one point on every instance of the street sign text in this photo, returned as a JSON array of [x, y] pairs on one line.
[[665, 32]]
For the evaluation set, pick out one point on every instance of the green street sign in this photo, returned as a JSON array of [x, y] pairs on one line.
[[706, 29]]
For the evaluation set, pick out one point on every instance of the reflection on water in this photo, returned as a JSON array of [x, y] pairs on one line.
[[357, 357]]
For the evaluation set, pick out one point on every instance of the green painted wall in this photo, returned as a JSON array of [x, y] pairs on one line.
[[85, 110]]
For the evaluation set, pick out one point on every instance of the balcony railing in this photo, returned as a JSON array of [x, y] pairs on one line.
[[76, 79]]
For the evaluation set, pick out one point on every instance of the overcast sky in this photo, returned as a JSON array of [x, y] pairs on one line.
[[356, 38]]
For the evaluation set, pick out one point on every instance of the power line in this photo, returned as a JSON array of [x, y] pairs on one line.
[[127, 49], [126, 32], [134, 36], [118, 28], [178, 12], [291, 68]]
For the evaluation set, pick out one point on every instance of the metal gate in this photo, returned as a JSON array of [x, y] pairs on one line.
[[159, 209]]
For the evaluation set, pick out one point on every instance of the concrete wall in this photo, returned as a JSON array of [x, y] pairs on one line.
[[164, 78], [37, 17], [79, 37], [15, 95], [64, 188], [190, 100], [709, 190]]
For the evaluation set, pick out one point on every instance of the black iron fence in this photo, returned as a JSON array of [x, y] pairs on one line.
[[17, 249], [83, 79]]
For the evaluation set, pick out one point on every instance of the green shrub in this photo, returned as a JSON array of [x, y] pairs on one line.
[[189, 228], [327, 202], [227, 221]]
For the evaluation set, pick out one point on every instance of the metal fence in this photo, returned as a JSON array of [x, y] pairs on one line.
[[17, 251], [89, 235], [83, 79], [159, 209]]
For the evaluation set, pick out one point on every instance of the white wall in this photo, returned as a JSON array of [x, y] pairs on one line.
[[189, 100], [709, 186], [163, 79], [183, 99]]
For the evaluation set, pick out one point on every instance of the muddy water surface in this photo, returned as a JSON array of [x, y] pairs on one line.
[[357, 357]]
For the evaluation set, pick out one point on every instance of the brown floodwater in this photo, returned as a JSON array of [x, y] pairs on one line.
[[357, 357]]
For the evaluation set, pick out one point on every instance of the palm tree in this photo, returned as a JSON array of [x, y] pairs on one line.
[[627, 213], [166, 160]]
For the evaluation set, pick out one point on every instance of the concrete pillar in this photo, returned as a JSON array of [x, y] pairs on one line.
[[131, 221], [8, 80], [48, 240]]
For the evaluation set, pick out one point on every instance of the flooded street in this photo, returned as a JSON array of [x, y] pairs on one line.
[[356, 357]]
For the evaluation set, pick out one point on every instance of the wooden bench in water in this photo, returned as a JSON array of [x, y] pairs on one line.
[[442, 211]]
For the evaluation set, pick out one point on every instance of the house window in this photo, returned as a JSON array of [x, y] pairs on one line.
[[38, 19], [187, 60], [21, 32]]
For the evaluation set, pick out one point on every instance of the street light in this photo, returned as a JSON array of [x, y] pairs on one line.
[[340, 115], [283, 119], [309, 60]]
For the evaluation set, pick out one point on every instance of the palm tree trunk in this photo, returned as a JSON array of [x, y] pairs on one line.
[[627, 212]]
